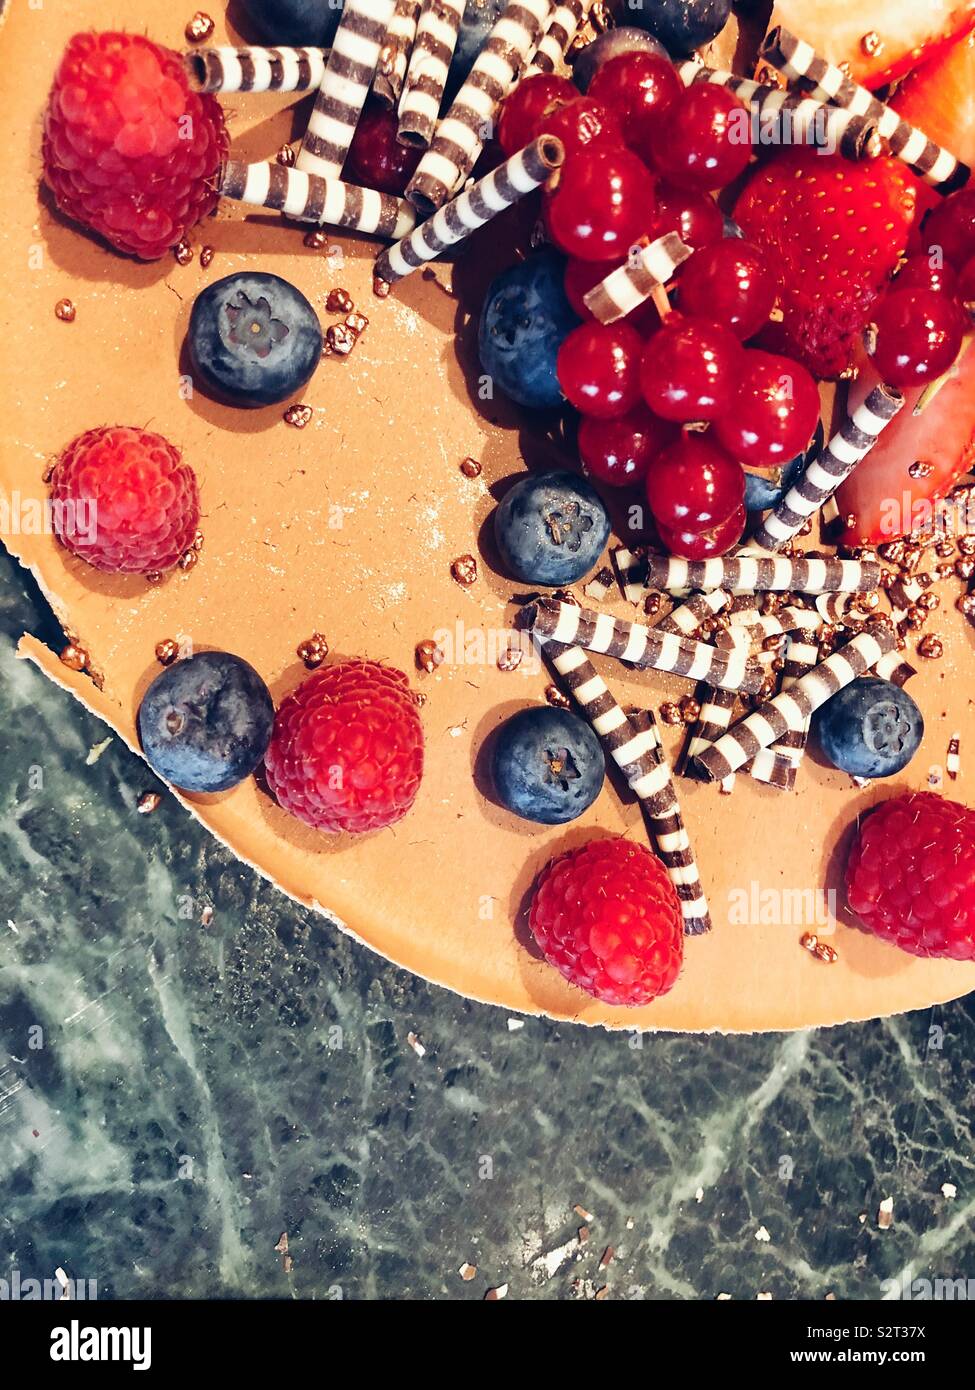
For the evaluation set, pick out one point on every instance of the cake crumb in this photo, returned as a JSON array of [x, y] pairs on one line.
[[493, 1295], [515, 1024], [885, 1214], [948, 1190], [467, 1272], [762, 1235], [416, 1045], [147, 803]]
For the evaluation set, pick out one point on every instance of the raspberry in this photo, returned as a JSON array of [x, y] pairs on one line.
[[608, 918], [911, 875], [129, 151], [123, 500], [347, 748]]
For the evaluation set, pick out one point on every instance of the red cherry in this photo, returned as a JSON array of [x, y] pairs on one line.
[[602, 205], [966, 283], [919, 335], [523, 107], [774, 414], [705, 545], [729, 282], [919, 273], [695, 217], [639, 87], [690, 369], [950, 227], [582, 276], [376, 159], [582, 124], [694, 486], [705, 139], [598, 367], [617, 452]]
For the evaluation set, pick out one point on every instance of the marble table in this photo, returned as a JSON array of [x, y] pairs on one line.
[[191, 1066]]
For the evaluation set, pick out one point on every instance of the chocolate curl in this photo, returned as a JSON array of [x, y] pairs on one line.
[[824, 475], [636, 751], [521, 174], [642, 646], [394, 56], [629, 286], [631, 572], [307, 198], [895, 667], [790, 710], [426, 76], [345, 85], [779, 764], [760, 626], [791, 118], [229, 69], [460, 136], [686, 619], [715, 712], [566, 20], [824, 80], [763, 574]]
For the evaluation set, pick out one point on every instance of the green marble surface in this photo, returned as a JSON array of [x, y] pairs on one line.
[[178, 1090]]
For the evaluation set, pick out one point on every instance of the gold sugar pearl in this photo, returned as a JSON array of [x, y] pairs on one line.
[[167, 651], [464, 570], [428, 656], [199, 28], [556, 699], [65, 310], [312, 651], [73, 656]]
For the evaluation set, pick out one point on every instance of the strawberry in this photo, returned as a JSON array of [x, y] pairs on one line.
[[888, 494], [834, 232], [939, 98], [880, 40]]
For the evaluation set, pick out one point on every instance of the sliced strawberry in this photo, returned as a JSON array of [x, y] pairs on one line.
[[939, 98], [884, 498], [880, 40], [834, 232]]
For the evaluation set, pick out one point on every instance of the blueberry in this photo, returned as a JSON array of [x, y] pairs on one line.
[[610, 45], [480, 17], [551, 529], [548, 765], [525, 320], [682, 25], [254, 339], [303, 22], [762, 493], [870, 728], [205, 723]]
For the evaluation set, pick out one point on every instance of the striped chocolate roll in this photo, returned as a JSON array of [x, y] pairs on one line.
[[637, 752], [567, 19], [823, 475], [631, 572], [426, 76], [255, 69], [646, 269], [642, 646], [523, 172], [348, 75], [779, 764], [788, 118], [307, 198], [688, 617], [715, 712], [461, 134], [763, 574], [789, 711], [394, 56], [827, 82], [895, 667], [658, 799], [760, 626], [953, 757]]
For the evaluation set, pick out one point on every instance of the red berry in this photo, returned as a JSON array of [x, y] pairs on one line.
[[607, 917], [774, 414], [582, 125], [704, 140], [618, 451], [582, 276], [376, 159], [639, 87], [695, 217], [123, 500], [694, 485], [965, 288], [731, 283], [522, 108], [919, 335], [911, 875], [602, 205], [926, 273], [704, 545], [347, 748], [690, 369], [129, 151], [950, 228], [598, 367]]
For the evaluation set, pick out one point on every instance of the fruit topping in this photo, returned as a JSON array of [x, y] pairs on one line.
[[547, 765], [871, 728], [550, 529], [525, 319]]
